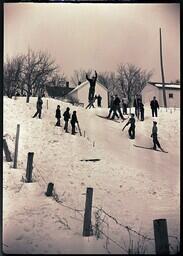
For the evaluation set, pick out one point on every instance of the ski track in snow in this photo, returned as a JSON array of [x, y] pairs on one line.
[[131, 184]]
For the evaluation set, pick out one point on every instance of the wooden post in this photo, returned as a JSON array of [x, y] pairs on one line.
[[16, 147], [162, 72], [94, 144], [49, 189], [29, 167], [6, 151], [87, 228], [161, 236], [84, 133]]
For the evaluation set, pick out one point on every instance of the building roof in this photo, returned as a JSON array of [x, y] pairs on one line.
[[167, 85], [83, 84], [56, 91]]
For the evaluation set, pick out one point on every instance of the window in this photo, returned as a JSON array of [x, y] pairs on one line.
[[171, 95]]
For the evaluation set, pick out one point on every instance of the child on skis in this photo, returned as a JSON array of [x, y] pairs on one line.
[[131, 130], [154, 135]]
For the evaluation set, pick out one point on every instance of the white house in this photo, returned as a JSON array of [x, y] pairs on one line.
[[156, 89], [80, 94]]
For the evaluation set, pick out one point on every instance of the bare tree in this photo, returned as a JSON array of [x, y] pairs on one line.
[[58, 80], [109, 80], [13, 75], [38, 70], [132, 79]]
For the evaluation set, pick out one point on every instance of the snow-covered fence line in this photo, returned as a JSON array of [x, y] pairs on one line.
[[85, 136], [6, 151], [29, 167], [97, 229], [16, 146], [160, 240]]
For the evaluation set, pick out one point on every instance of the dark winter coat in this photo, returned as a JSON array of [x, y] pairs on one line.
[[141, 106], [132, 122], [92, 81], [154, 104], [74, 119], [137, 102], [154, 132], [58, 113], [66, 115], [116, 102], [39, 103], [99, 99]]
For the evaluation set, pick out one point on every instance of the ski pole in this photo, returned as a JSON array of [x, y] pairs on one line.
[[79, 129]]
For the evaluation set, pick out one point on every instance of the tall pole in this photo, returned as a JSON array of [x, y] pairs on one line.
[[162, 72]]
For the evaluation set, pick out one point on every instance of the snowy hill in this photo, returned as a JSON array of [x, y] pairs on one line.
[[131, 185]]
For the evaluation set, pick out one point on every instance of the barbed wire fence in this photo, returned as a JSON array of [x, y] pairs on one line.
[[100, 227]]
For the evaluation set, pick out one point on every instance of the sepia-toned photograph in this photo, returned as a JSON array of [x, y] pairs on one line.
[[91, 128]]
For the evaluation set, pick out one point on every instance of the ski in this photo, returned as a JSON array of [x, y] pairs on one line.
[[79, 129], [150, 148], [92, 160], [105, 117]]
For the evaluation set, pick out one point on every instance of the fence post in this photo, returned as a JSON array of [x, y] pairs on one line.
[[49, 189], [6, 151], [161, 236], [16, 147], [87, 227], [29, 167]]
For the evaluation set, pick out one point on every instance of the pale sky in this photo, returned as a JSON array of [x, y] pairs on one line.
[[96, 36]]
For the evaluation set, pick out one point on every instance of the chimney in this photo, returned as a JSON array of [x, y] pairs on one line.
[[67, 84]]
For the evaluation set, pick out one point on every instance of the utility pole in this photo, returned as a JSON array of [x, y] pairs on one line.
[[162, 72]]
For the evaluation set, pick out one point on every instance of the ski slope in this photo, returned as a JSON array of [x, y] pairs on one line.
[[133, 185]]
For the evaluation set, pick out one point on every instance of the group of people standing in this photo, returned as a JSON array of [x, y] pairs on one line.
[[67, 116]]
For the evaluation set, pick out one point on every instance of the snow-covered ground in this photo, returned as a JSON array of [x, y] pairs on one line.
[[133, 186]]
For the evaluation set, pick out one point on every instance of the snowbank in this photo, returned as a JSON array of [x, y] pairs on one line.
[[133, 185]]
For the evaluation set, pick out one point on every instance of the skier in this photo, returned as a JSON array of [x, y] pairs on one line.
[[116, 107], [112, 108], [136, 105], [74, 120], [99, 99], [131, 130], [91, 103], [39, 107], [141, 107], [154, 106], [154, 135], [58, 116], [66, 115], [92, 82]]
